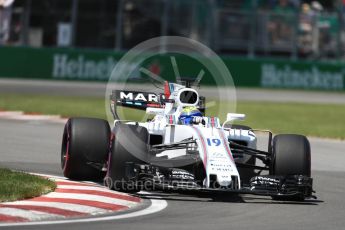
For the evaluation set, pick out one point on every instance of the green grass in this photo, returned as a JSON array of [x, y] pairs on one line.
[[321, 120], [61, 105], [19, 185]]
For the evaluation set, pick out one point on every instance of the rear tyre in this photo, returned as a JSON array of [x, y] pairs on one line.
[[130, 144], [290, 156], [84, 141]]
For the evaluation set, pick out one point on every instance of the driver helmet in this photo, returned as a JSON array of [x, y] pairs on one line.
[[187, 114]]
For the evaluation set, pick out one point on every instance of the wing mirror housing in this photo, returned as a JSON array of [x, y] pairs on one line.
[[230, 117]]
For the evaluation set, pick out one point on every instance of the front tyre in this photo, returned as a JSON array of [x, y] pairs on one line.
[[130, 144], [290, 156], [85, 144]]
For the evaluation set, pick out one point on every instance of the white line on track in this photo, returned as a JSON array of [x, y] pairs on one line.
[[66, 206], [51, 176], [94, 188], [28, 214], [91, 198], [64, 179]]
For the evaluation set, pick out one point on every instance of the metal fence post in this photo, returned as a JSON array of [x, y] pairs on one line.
[[213, 28], [164, 25], [316, 37], [340, 29], [119, 19], [193, 30], [208, 27], [252, 42], [26, 26], [74, 19], [294, 53]]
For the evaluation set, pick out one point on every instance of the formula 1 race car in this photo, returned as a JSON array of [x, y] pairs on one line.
[[182, 149]]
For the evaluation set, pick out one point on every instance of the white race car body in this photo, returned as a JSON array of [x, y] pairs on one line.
[[182, 149], [212, 139]]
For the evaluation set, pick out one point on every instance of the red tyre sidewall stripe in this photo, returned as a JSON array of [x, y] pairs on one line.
[[67, 147], [112, 138]]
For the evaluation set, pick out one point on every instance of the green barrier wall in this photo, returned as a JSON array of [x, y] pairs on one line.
[[78, 64]]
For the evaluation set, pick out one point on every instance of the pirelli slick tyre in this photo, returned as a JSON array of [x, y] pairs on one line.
[[129, 145], [290, 156], [85, 143]]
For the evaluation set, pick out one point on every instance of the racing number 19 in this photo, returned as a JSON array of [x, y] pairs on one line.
[[213, 141]]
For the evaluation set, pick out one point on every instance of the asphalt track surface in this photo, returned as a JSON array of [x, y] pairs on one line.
[[97, 89], [35, 146]]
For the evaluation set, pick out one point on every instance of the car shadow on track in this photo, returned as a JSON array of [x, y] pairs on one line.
[[223, 198], [194, 196], [268, 200]]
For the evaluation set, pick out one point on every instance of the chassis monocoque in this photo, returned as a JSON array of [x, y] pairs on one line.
[[164, 154]]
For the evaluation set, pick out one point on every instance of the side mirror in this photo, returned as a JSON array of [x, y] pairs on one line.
[[232, 117], [235, 116]]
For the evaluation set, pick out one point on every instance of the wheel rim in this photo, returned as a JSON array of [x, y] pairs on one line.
[[65, 149]]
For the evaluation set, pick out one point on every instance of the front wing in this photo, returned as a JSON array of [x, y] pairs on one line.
[[266, 185]]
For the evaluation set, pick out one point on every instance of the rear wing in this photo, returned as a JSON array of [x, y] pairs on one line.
[[142, 100]]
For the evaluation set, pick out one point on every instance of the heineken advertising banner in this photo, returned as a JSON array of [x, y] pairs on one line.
[[86, 65]]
